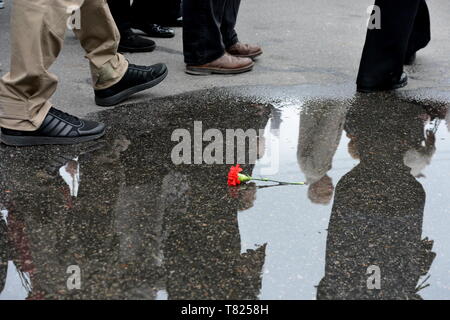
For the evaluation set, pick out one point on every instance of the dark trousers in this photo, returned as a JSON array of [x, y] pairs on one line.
[[405, 29], [158, 11], [148, 11], [208, 29]]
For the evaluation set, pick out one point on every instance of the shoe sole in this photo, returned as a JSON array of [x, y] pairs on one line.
[[24, 141], [151, 35], [136, 50], [196, 71], [374, 90], [121, 96]]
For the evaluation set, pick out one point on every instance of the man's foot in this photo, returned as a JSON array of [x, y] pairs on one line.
[[2, 4], [409, 60], [136, 79], [130, 42], [227, 64], [245, 50], [58, 128], [390, 84], [155, 30]]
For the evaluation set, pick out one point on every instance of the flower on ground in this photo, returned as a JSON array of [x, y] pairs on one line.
[[233, 175], [235, 178]]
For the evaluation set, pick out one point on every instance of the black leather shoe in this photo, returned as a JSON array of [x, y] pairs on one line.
[[58, 128], [154, 30], [131, 42], [136, 79], [391, 84]]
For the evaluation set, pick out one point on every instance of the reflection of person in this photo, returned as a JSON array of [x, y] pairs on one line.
[[247, 196], [377, 213], [421, 153], [202, 247], [15, 254], [63, 234], [447, 119], [4, 251], [202, 251], [404, 29], [418, 157], [321, 126], [135, 238]]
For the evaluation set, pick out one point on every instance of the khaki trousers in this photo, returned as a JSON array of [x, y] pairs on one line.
[[38, 28]]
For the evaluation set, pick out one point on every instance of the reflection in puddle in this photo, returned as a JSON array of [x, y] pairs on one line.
[[15, 274], [161, 295], [321, 127], [419, 157], [144, 228], [17, 284], [70, 173], [4, 215], [378, 210]]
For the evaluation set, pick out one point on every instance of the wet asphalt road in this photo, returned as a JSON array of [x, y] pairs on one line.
[[140, 227]]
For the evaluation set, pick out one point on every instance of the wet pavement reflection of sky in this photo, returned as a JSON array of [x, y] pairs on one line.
[[140, 227]]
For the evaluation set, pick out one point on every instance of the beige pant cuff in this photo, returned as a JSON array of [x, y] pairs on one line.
[[23, 124], [110, 73]]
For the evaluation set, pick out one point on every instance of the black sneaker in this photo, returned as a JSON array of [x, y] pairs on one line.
[[131, 42], [136, 79], [154, 30], [393, 83], [58, 128]]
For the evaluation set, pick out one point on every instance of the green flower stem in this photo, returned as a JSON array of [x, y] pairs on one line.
[[245, 178], [280, 182]]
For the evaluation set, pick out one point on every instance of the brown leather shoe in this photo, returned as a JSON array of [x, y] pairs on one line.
[[245, 50], [227, 64]]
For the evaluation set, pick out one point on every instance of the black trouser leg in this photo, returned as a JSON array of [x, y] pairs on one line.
[[121, 11], [158, 11], [421, 34], [202, 37], [141, 9], [385, 49], [229, 34]]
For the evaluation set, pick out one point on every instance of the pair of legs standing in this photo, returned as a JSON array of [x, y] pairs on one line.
[[138, 16], [38, 28], [405, 29], [161, 12], [210, 41]]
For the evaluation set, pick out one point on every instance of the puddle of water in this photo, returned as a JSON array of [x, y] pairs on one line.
[[141, 227], [292, 225], [295, 226]]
